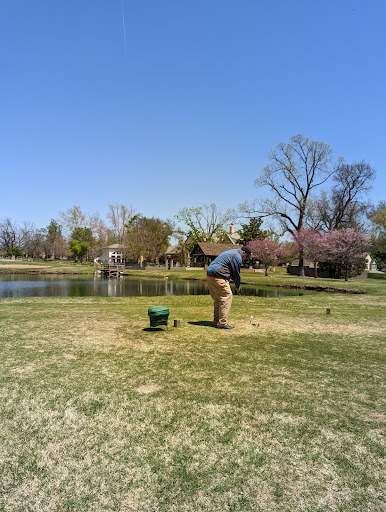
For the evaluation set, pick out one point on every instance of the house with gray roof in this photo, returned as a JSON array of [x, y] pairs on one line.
[[203, 253]]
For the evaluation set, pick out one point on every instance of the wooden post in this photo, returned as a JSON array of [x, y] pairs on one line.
[[177, 322], [328, 311]]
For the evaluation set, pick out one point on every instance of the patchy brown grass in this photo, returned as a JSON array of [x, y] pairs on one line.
[[99, 412]]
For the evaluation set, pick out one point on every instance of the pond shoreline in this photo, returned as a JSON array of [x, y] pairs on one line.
[[326, 289]]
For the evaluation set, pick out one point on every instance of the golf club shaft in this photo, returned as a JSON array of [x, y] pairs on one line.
[[244, 304]]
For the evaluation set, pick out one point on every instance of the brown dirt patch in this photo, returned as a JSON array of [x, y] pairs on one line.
[[148, 388]]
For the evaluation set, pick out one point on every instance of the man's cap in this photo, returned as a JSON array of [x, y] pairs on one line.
[[247, 249]]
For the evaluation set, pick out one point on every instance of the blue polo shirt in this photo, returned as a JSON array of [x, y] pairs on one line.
[[226, 266]]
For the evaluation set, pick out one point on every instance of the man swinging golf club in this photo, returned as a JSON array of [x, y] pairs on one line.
[[225, 267]]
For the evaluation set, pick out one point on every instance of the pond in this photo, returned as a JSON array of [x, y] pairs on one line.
[[17, 285]]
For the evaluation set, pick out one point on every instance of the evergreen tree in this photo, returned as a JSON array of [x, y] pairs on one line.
[[253, 231]]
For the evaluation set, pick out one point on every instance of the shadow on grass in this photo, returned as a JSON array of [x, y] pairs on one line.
[[202, 323], [154, 329]]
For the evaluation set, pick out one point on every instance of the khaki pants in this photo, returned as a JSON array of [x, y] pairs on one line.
[[221, 294]]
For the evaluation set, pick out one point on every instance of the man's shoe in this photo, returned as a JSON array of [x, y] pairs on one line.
[[226, 326]]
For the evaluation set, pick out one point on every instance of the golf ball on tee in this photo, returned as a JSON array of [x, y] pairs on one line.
[[251, 316]]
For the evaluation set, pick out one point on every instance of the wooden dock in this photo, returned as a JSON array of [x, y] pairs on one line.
[[111, 270]]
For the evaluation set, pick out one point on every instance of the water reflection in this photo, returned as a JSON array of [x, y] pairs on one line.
[[86, 286]]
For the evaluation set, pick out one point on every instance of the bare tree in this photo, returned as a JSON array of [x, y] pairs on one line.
[[59, 247], [134, 240], [120, 216], [294, 171], [26, 233], [102, 235], [73, 218], [14, 236], [345, 206], [157, 236], [203, 222], [8, 234], [38, 244]]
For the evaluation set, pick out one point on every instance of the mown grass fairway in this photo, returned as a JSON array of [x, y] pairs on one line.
[[100, 413]]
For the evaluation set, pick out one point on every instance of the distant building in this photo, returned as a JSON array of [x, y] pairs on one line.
[[232, 236], [204, 253], [172, 252], [171, 255], [309, 269], [224, 237], [112, 255], [370, 263]]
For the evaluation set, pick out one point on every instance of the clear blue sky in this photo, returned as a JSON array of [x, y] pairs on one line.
[[162, 104]]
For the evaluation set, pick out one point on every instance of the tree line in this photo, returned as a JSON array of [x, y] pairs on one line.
[[341, 252], [303, 187], [82, 236]]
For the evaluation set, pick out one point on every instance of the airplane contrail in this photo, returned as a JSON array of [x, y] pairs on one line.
[[124, 28]]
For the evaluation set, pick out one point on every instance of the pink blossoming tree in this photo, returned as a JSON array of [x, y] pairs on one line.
[[266, 251], [310, 243], [346, 246]]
